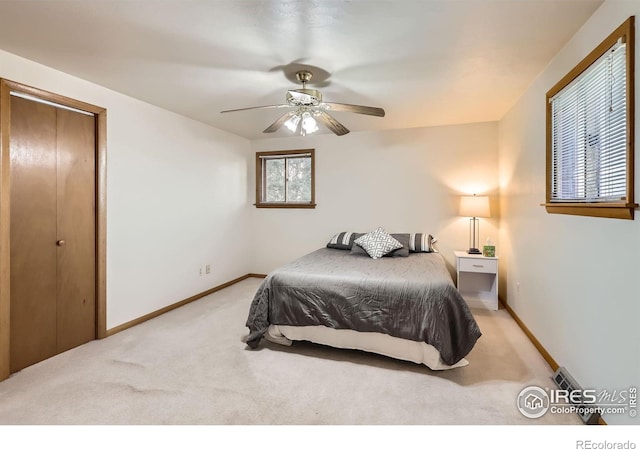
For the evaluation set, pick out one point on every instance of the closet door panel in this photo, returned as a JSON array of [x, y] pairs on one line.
[[76, 229], [33, 233]]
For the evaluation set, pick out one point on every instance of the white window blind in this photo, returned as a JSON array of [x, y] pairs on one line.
[[589, 133]]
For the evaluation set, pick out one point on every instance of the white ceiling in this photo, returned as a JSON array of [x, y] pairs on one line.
[[427, 63]]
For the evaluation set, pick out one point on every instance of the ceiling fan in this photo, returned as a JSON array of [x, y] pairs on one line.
[[309, 109]]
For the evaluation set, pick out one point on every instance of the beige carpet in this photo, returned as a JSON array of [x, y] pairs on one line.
[[190, 366]]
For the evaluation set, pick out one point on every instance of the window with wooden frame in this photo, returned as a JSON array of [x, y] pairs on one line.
[[285, 179], [590, 115]]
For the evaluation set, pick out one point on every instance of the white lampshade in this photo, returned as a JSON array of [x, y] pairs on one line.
[[292, 123], [309, 124], [474, 206]]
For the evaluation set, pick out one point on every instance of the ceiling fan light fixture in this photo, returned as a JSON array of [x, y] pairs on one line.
[[309, 124], [292, 123], [301, 122]]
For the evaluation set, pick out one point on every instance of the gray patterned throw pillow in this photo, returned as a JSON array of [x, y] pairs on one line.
[[378, 243]]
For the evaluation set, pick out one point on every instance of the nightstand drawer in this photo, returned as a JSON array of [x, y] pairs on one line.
[[479, 265]]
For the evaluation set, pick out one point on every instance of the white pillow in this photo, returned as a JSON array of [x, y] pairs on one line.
[[378, 243]]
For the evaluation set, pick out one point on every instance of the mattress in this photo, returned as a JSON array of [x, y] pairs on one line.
[[398, 348]]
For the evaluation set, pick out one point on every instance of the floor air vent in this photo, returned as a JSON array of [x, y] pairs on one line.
[[564, 381]]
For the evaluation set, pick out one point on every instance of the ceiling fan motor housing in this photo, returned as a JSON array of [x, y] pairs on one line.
[[304, 97]]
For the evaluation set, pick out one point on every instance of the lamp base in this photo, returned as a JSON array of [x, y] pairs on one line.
[[474, 251]]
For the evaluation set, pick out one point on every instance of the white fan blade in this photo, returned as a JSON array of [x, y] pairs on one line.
[[358, 109], [335, 126], [272, 106], [278, 123]]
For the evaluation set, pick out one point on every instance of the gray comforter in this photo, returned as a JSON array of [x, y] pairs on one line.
[[407, 297]]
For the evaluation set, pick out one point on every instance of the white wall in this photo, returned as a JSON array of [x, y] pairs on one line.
[[578, 276], [404, 180], [176, 196]]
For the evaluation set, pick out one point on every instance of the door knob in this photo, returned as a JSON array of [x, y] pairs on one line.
[[60, 242]]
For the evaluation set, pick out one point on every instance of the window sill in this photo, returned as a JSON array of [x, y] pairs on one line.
[[623, 211], [286, 205]]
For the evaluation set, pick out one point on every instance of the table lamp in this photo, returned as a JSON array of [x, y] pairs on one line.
[[474, 207]]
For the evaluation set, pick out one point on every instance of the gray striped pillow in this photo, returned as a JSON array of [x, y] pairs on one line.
[[421, 243], [343, 240]]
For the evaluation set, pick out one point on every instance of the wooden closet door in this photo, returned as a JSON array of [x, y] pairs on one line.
[[33, 233], [76, 229], [53, 231]]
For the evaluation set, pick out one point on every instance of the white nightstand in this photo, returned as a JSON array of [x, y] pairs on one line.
[[478, 279]]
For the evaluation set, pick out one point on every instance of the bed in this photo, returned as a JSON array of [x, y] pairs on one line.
[[403, 307]]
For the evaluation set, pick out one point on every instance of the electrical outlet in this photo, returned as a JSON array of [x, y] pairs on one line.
[[207, 269], [200, 271], [518, 288]]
